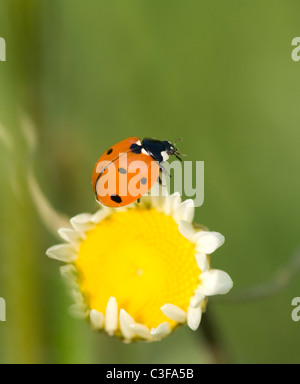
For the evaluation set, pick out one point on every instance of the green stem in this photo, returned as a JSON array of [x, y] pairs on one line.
[[214, 339]]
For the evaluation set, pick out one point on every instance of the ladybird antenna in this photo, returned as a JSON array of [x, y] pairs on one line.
[[178, 140]]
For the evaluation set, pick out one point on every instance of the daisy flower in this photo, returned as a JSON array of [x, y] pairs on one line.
[[140, 272]]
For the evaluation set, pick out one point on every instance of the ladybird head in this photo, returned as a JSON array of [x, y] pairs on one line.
[[171, 149]]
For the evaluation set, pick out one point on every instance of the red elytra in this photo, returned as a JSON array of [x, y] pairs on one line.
[[122, 176]]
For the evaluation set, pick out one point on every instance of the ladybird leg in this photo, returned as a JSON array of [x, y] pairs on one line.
[[178, 157], [163, 169], [161, 181], [139, 201]]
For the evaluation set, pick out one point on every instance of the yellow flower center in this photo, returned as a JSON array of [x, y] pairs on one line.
[[140, 258]]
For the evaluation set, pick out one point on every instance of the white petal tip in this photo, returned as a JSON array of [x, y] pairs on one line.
[[197, 299], [185, 211], [78, 311], [215, 282], [209, 242], [111, 316], [141, 331], [97, 320], [82, 222], [163, 330], [125, 325], [69, 273], [194, 318], [64, 252], [187, 230], [100, 215], [174, 313], [69, 235], [202, 262]]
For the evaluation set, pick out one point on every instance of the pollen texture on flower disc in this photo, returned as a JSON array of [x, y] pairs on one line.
[[140, 258]]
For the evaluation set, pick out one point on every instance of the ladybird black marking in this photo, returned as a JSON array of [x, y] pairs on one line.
[[122, 171], [144, 181], [137, 149], [116, 198], [110, 151]]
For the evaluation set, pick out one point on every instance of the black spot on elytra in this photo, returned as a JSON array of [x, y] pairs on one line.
[[144, 181], [116, 198], [122, 171], [110, 151]]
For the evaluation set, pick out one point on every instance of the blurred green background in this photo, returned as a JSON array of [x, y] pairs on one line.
[[89, 74]]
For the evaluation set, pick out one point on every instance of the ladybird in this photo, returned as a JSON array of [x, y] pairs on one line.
[[129, 169]]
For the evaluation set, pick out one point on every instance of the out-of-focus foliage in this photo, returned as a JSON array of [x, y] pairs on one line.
[[90, 73]]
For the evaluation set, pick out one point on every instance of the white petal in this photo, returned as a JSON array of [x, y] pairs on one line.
[[159, 190], [125, 325], [197, 299], [79, 309], [164, 203], [164, 188], [82, 222], [194, 317], [208, 242], [203, 262], [167, 208], [78, 297], [69, 273], [175, 201], [82, 218], [161, 204], [155, 190], [171, 203], [215, 282], [63, 252], [174, 313], [70, 235], [142, 331], [160, 200], [100, 215], [187, 230], [122, 209], [163, 330], [146, 201], [111, 316], [185, 211], [97, 320]]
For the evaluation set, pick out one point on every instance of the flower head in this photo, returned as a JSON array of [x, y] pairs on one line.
[[140, 272]]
